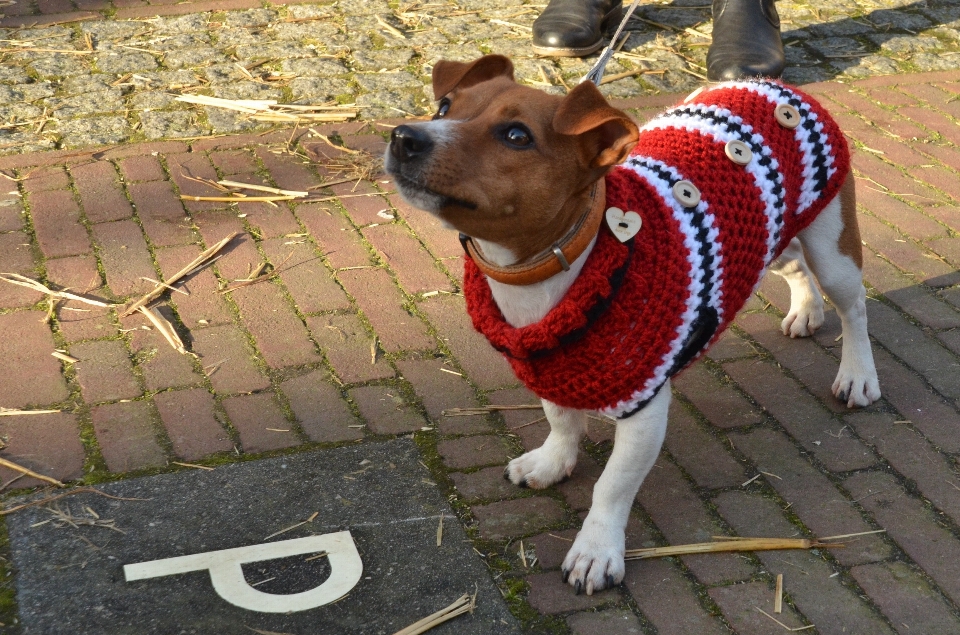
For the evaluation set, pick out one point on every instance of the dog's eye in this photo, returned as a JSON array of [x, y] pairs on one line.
[[518, 136], [442, 108]]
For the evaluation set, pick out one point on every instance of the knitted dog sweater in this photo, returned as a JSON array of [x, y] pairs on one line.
[[641, 311]]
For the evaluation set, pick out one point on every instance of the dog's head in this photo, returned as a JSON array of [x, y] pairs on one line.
[[503, 162]]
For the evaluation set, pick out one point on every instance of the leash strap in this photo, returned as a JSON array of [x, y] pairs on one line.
[[595, 74]]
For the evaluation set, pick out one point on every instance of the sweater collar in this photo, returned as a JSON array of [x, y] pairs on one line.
[[552, 261]]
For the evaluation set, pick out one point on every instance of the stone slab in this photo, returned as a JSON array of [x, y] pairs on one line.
[[72, 581]]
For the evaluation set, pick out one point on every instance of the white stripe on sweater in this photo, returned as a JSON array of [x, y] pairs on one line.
[[699, 276], [766, 178]]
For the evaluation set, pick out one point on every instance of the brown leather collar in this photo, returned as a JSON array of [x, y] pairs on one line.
[[553, 261]]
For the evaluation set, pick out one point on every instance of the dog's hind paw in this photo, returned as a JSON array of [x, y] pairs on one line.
[[856, 390], [804, 321], [541, 468], [595, 562]]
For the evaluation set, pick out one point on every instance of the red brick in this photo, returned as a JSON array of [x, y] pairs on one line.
[[231, 162], [912, 456], [45, 179], [820, 596], [161, 365], [23, 7], [363, 210], [717, 400], [801, 416], [487, 484], [372, 144], [731, 346], [530, 424], [702, 455], [258, 418], [48, 444], [891, 97], [811, 495], [241, 255], [228, 359], [439, 391], [551, 547], [906, 218], [930, 413], [104, 371], [912, 525], [347, 347], [442, 241], [906, 255], [192, 424], [906, 598], [29, 375], [204, 301], [415, 268], [382, 304], [287, 171], [890, 177], [137, 149], [512, 519], [280, 335], [16, 256], [125, 257], [920, 351], [144, 167], [11, 211], [801, 356], [739, 603], [610, 622], [683, 518], [92, 5], [54, 6], [240, 141], [100, 192], [484, 365], [884, 119], [77, 320], [338, 240], [577, 490], [938, 177], [668, 599], [385, 410], [550, 595], [161, 213], [126, 436], [322, 412], [56, 221], [305, 276], [947, 247], [912, 298], [933, 121], [893, 150], [196, 165], [475, 451], [270, 221]]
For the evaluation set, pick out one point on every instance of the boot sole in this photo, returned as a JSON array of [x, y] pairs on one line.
[[612, 18]]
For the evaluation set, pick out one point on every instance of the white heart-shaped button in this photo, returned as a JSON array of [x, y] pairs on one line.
[[624, 225]]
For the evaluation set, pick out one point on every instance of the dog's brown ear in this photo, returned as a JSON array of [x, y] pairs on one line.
[[450, 75], [610, 133]]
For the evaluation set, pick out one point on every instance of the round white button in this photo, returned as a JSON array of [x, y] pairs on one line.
[[787, 116], [738, 152], [686, 193]]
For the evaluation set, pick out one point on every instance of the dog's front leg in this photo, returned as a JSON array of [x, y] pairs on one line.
[[555, 459], [596, 559]]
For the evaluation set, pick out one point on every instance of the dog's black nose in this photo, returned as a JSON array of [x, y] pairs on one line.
[[407, 142]]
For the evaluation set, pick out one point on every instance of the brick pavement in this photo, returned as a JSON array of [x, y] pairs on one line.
[[366, 338]]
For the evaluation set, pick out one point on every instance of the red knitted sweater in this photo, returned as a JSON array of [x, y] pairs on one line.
[[643, 310]]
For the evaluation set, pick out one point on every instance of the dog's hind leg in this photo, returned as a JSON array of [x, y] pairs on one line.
[[806, 304], [834, 253], [595, 561], [555, 459]]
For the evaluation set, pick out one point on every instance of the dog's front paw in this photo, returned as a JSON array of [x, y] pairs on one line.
[[857, 389], [541, 468], [595, 562], [804, 321]]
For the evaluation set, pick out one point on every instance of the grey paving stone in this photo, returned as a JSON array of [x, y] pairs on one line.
[[72, 580]]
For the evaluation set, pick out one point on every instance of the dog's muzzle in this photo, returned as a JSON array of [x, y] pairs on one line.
[[409, 144]]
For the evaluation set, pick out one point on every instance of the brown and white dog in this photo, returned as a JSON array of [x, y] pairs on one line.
[[599, 281]]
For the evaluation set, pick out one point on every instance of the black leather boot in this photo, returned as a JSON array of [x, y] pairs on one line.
[[574, 28], [746, 40]]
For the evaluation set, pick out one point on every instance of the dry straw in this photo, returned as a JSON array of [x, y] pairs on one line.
[[464, 604]]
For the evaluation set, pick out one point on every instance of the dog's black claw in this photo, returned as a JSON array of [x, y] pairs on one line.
[[842, 396], [566, 575], [523, 483], [610, 582], [579, 587], [506, 474], [564, 479]]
